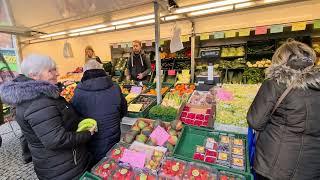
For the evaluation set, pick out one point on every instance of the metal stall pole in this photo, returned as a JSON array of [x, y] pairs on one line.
[[157, 46], [193, 46]]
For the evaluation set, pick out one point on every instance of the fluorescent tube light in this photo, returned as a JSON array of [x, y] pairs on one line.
[[88, 28], [145, 22], [53, 34], [123, 26], [209, 5], [271, 1], [107, 29], [135, 19], [244, 5], [87, 32], [208, 11]]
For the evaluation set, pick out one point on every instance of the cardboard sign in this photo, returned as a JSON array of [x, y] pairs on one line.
[[276, 28], [135, 159], [230, 34], [316, 24], [171, 72], [160, 135], [299, 26], [261, 30], [136, 89], [244, 32], [204, 36], [218, 35]]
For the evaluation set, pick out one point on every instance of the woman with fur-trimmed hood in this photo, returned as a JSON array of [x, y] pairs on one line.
[[288, 145], [47, 121]]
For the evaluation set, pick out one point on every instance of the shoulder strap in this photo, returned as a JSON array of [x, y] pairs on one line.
[[284, 94]]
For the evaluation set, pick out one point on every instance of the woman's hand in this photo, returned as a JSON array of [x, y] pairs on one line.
[[93, 130]]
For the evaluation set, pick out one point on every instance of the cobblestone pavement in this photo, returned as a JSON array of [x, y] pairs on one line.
[[11, 164]]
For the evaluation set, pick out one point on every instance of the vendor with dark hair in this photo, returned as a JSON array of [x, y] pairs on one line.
[[139, 65]]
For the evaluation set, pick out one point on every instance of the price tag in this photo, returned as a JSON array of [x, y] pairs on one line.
[[135, 107], [161, 42], [204, 36], [171, 72], [160, 135], [218, 35], [230, 34], [261, 30], [148, 43], [299, 26], [244, 32], [136, 89], [316, 24], [276, 28], [135, 159], [185, 38]]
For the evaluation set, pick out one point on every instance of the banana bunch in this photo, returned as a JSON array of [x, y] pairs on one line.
[[86, 124]]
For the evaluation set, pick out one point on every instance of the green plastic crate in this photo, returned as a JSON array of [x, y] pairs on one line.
[[89, 176], [145, 112], [193, 136]]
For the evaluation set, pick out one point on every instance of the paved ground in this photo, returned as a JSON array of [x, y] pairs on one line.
[[11, 164]]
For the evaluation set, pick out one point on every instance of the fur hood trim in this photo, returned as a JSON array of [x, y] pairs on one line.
[[15, 93], [300, 78]]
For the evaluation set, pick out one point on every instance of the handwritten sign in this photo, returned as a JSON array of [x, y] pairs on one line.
[[244, 32], [276, 28], [185, 38], [299, 26], [261, 30], [218, 35], [204, 36], [316, 24], [135, 159], [136, 89], [160, 135], [171, 72], [230, 34]]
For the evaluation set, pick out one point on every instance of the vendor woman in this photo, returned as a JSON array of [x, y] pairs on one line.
[[139, 65]]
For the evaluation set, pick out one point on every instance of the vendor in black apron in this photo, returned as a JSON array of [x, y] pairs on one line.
[[139, 65]]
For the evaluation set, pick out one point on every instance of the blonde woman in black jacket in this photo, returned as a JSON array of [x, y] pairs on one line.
[[288, 145]]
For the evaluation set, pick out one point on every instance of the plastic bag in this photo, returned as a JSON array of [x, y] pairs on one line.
[[67, 50], [176, 44]]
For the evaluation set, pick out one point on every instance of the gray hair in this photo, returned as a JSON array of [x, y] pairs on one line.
[[35, 64], [92, 64]]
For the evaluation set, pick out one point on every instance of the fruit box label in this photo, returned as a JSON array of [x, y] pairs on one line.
[[136, 89], [135, 159], [160, 135]]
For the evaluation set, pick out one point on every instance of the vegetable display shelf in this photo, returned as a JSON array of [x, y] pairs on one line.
[[193, 137]]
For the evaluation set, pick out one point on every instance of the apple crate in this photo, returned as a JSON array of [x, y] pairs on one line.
[[192, 137], [196, 115]]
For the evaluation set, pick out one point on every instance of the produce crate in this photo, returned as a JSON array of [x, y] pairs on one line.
[[195, 136], [206, 111], [143, 112], [89, 176]]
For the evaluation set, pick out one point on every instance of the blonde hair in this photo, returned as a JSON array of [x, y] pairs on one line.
[[138, 42], [292, 49]]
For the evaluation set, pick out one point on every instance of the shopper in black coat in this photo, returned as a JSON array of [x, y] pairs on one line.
[[97, 97], [288, 145], [47, 121]]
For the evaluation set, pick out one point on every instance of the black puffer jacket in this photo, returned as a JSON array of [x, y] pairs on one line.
[[97, 97], [49, 124], [288, 146]]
